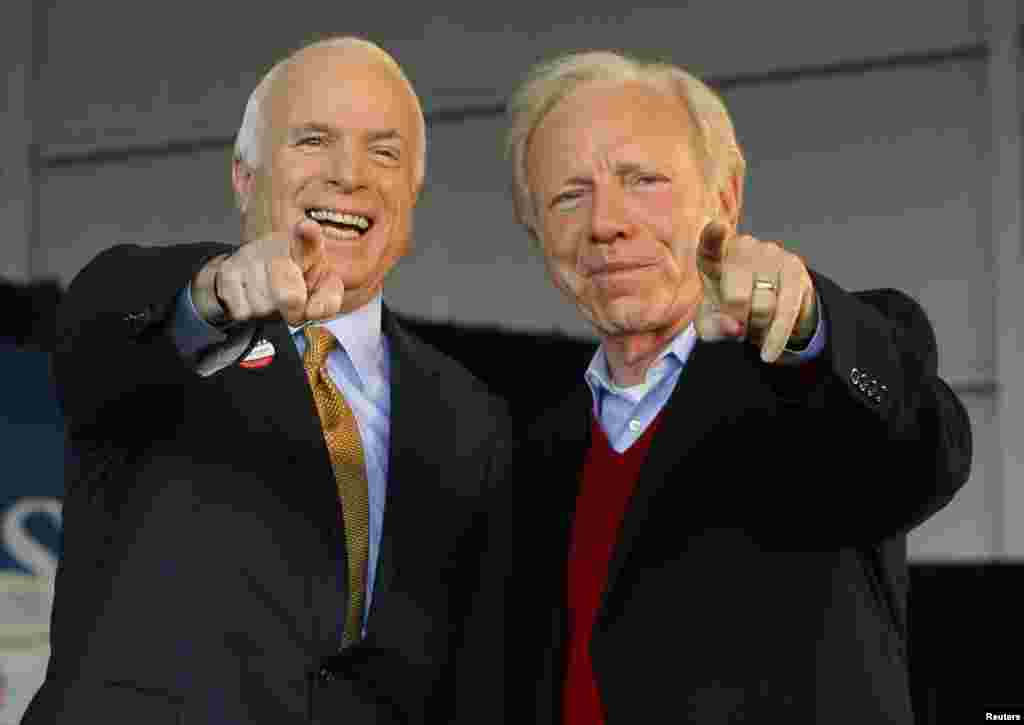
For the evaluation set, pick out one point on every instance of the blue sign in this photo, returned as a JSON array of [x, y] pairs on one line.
[[32, 455], [31, 463]]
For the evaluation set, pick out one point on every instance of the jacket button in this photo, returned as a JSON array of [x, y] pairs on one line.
[[137, 321]]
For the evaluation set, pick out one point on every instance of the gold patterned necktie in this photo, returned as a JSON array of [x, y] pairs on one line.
[[341, 432]]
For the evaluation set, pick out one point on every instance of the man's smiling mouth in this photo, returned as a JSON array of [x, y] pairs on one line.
[[338, 224], [606, 270]]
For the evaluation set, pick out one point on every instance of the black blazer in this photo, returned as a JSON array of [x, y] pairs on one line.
[[759, 575], [203, 576]]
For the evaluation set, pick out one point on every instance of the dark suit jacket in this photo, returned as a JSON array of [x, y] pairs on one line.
[[203, 575], [759, 575]]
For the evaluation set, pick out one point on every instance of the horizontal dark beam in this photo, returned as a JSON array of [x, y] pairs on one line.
[[975, 387], [976, 51], [106, 154]]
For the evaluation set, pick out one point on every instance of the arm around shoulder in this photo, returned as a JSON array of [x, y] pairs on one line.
[[111, 326]]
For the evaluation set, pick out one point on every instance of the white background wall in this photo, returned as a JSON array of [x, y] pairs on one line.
[[883, 140]]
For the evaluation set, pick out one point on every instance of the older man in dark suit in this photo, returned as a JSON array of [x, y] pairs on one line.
[[716, 532], [280, 493]]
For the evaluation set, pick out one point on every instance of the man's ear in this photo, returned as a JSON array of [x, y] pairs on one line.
[[730, 201], [242, 179]]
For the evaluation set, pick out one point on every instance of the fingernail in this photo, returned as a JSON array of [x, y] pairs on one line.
[[711, 238]]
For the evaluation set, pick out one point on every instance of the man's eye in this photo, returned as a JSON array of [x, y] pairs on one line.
[[388, 153], [648, 179], [311, 141], [567, 198]]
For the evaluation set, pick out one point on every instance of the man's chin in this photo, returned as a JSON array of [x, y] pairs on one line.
[[628, 317], [618, 323]]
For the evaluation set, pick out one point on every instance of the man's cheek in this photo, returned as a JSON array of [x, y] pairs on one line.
[[564, 276], [660, 209]]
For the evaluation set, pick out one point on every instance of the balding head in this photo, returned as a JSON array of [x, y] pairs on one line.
[[249, 142]]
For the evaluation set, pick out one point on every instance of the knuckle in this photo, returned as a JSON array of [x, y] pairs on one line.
[[762, 304], [261, 308], [228, 273], [733, 285], [794, 264], [287, 296], [731, 296]]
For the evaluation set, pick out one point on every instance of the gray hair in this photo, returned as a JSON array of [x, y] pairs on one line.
[[546, 84], [247, 142]]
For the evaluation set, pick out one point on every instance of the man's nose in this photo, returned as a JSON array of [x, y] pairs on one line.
[[346, 169], [609, 218]]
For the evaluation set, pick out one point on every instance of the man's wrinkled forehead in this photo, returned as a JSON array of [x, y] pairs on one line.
[[612, 126], [311, 73]]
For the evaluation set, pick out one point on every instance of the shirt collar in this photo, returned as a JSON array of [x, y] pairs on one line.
[[359, 334], [598, 377]]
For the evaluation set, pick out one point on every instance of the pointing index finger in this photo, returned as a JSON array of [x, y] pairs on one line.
[[713, 248], [307, 246]]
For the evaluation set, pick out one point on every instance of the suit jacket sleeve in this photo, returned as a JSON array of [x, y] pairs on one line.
[[112, 341], [891, 442]]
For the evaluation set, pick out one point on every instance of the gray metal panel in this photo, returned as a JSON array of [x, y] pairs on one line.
[[166, 71], [878, 180], [88, 208], [15, 137]]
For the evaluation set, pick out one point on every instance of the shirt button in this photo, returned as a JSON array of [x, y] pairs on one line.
[[634, 425]]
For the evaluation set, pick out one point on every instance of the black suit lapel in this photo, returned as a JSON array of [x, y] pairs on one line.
[[540, 525], [547, 504], [277, 399], [562, 440], [418, 441], [276, 395]]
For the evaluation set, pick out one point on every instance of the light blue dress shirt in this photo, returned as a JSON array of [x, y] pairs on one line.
[[359, 368], [625, 413]]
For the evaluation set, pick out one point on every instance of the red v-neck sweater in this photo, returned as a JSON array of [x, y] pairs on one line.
[[607, 482]]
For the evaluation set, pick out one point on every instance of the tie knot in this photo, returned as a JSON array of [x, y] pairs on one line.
[[319, 343]]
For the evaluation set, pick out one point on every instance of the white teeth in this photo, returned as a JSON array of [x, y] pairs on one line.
[[336, 217]]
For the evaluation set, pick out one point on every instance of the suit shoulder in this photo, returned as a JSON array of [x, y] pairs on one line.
[[129, 278], [905, 312], [147, 259], [896, 305]]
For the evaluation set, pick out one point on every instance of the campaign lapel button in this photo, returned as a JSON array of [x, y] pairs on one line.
[[261, 354]]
